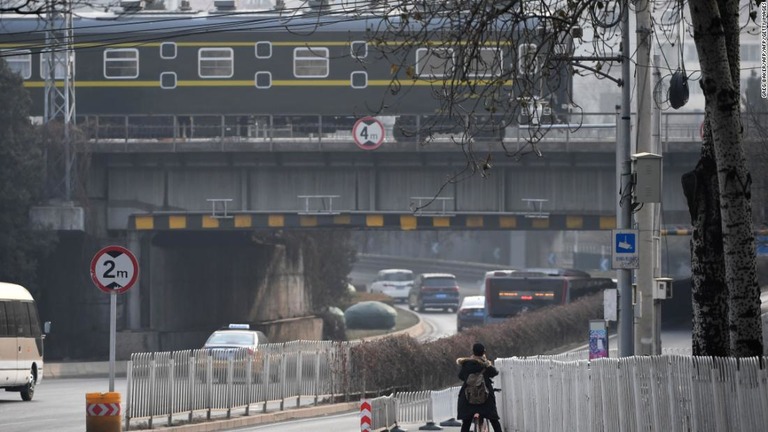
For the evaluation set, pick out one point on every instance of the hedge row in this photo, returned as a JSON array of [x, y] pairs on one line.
[[405, 364]]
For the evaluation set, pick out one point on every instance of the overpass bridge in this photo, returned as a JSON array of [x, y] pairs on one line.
[[188, 205], [142, 178]]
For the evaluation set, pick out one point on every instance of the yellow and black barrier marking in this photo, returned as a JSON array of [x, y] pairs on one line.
[[103, 412], [365, 220], [388, 221]]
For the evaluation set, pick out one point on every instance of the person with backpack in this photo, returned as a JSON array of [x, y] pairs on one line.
[[476, 395]]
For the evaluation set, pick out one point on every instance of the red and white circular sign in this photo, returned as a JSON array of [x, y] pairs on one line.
[[368, 133], [114, 269]]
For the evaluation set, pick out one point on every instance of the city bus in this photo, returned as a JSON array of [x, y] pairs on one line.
[[512, 292], [21, 341]]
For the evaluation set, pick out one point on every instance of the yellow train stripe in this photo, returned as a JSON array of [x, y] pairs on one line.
[[236, 83]]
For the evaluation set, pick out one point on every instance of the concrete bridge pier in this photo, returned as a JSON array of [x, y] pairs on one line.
[[134, 294]]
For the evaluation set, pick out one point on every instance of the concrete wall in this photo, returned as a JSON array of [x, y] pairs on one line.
[[190, 285], [209, 280]]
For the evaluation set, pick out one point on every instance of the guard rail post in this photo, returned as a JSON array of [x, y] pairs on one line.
[[209, 385], [230, 388], [430, 417], [265, 380], [396, 409], [317, 377], [171, 392], [299, 389], [192, 385], [452, 395], [128, 393], [282, 380], [248, 384], [153, 391]]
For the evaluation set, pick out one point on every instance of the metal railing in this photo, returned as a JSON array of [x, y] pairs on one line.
[[171, 130], [565, 392], [168, 384], [660, 393]]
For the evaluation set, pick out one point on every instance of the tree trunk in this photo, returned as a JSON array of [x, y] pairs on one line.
[[708, 287], [715, 25]]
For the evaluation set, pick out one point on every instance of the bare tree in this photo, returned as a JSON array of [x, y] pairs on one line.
[[716, 33], [538, 37], [491, 64]]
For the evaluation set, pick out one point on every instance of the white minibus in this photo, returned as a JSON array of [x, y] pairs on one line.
[[21, 342]]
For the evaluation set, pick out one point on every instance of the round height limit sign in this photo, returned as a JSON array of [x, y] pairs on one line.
[[114, 269], [368, 133]]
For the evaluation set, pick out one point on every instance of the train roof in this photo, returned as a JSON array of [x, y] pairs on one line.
[[181, 23]]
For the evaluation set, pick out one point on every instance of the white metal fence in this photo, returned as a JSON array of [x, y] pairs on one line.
[[164, 384], [564, 392], [659, 393]]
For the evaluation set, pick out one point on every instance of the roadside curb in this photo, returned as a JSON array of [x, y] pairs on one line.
[[273, 417]]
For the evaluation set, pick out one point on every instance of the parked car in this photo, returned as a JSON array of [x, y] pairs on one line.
[[471, 313], [434, 290], [393, 282]]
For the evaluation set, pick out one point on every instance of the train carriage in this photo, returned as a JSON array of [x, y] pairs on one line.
[[184, 72]]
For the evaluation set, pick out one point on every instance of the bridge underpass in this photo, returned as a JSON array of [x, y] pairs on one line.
[[167, 204]]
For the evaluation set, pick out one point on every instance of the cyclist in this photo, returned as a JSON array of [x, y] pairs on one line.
[[466, 412]]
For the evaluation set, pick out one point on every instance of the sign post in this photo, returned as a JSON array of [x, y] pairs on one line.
[[114, 270], [598, 339], [368, 133], [624, 251]]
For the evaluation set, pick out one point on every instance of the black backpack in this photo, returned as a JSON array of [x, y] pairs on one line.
[[475, 389]]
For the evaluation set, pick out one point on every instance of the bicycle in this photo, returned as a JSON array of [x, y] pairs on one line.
[[485, 426], [477, 426]]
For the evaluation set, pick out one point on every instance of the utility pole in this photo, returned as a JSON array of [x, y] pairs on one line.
[[60, 65], [656, 148], [624, 207], [645, 331]]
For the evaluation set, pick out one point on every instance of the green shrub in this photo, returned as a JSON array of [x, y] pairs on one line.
[[359, 297], [405, 364], [370, 315]]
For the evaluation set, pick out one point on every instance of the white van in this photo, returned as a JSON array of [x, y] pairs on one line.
[[393, 282], [21, 342]]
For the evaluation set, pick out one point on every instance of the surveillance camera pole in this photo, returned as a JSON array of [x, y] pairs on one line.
[[624, 208], [623, 176], [646, 330]]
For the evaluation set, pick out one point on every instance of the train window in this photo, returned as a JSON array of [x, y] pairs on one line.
[[434, 62], [59, 58], [168, 50], [263, 50], [168, 80], [527, 60], [215, 62], [310, 62], [19, 61], [263, 80], [359, 49], [487, 63], [359, 79], [121, 63]]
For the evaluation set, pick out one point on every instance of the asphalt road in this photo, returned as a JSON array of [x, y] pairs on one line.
[[58, 405]]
